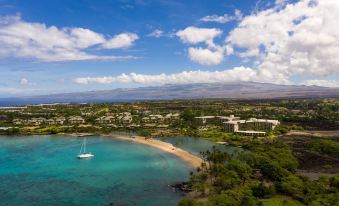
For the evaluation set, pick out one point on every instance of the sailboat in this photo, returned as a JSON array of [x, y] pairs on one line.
[[82, 153]]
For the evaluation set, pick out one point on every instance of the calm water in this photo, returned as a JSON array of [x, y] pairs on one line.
[[43, 170]]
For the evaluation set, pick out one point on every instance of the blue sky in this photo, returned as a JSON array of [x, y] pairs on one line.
[[65, 46]]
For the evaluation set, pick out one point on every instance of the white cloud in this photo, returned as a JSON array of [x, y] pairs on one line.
[[120, 41], [205, 56], [31, 40], [213, 54], [287, 40], [297, 39], [156, 33], [24, 81], [235, 74], [321, 82], [223, 19], [194, 35]]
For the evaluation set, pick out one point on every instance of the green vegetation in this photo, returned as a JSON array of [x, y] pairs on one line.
[[280, 201], [327, 147], [255, 177], [283, 129]]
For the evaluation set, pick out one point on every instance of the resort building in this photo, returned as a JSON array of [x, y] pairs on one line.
[[36, 121], [127, 119], [230, 118], [124, 118], [105, 119], [157, 118], [261, 124], [18, 121], [203, 120], [250, 127], [171, 116], [60, 120], [76, 120], [231, 127], [50, 121], [145, 120], [251, 133]]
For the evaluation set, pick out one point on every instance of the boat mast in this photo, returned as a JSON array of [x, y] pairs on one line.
[[81, 148], [85, 146]]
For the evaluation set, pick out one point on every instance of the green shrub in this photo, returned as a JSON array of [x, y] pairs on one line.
[[328, 147]]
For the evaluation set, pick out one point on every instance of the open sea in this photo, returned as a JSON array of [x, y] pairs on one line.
[[44, 170]]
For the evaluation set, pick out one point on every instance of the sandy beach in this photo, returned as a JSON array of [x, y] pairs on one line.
[[191, 159]]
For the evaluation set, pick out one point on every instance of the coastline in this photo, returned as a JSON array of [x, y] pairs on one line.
[[187, 157]]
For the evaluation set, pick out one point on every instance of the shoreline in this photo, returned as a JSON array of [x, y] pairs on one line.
[[187, 157]]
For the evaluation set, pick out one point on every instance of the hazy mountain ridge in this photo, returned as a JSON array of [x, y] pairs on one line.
[[240, 90]]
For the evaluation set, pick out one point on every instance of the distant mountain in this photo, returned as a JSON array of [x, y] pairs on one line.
[[239, 90]]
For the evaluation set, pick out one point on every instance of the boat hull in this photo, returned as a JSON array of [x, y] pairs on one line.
[[83, 156]]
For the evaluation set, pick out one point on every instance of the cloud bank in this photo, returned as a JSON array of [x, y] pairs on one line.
[[301, 38], [287, 40], [236, 74], [37, 41]]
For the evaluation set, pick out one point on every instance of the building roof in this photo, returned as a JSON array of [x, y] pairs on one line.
[[250, 132], [205, 117]]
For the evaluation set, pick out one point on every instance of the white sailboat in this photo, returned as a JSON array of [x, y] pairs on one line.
[[82, 153]]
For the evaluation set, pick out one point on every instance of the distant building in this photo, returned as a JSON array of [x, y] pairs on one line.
[[230, 118], [36, 121], [50, 121], [18, 121], [261, 124], [86, 114], [127, 119], [60, 120], [105, 119], [146, 120], [250, 127], [251, 133], [124, 118], [158, 118], [231, 127], [76, 120], [171, 116]]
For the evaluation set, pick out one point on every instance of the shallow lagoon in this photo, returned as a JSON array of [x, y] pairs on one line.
[[44, 170]]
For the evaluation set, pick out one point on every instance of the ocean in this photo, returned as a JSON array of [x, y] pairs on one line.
[[21, 101], [44, 170]]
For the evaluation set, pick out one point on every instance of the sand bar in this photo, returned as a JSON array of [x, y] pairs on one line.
[[191, 159]]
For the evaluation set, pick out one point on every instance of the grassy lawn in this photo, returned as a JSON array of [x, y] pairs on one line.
[[280, 201]]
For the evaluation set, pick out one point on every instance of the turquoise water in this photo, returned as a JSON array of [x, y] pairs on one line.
[[44, 170]]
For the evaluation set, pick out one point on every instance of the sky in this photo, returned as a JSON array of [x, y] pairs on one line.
[[59, 46]]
